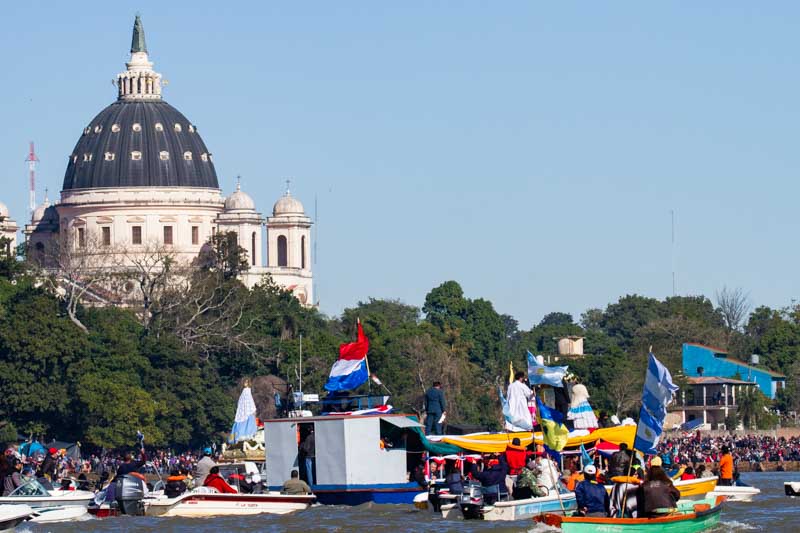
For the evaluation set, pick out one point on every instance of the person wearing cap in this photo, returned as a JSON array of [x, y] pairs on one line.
[[49, 465], [657, 496], [203, 467], [591, 496], [726, 467]]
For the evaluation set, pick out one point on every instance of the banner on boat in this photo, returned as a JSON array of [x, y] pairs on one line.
[[350, 370], [658, 392]]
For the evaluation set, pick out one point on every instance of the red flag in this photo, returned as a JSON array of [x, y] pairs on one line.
[[355, 350]]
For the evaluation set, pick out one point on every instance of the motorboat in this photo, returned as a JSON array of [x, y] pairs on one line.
[[736, 493], [690, 516], [206, 501], [12, 515], [507, 510], [50, 505], [792, 488]]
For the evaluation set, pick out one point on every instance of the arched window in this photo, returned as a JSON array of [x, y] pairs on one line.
[[303, 251], [282, 251], [253, 249]]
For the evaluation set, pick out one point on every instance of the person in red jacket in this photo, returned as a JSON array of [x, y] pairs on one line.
[[515, 456], [215, 481]]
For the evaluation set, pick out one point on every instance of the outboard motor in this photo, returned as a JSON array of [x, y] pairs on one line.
[[129, 495], [471, 500]]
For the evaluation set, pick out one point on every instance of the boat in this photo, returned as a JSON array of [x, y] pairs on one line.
[[353, 463], [511, 509], [691, 489], [12, 515], [736, 493], [690, 517], [50, 505], [206, 501], [792, 488]]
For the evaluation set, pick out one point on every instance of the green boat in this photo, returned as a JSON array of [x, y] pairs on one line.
[[690, 516]]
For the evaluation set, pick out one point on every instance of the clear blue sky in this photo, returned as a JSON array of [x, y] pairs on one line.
[[530, 151]]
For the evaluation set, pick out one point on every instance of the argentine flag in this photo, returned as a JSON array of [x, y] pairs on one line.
[[545, 375], [350, 370], [658, 392]]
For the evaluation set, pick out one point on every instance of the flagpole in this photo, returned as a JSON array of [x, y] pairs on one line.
[[549, 462]]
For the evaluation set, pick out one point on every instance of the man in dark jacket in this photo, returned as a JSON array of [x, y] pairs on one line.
[[591, 496], [129, 465], [434, 409], [620, 462], [493, 474]]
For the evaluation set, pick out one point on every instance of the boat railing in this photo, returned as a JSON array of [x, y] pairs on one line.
[[344, 404]]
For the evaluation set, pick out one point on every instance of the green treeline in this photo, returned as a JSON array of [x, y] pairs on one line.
[[173, 368]]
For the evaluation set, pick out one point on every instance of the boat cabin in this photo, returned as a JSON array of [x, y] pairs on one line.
[[356, 458]]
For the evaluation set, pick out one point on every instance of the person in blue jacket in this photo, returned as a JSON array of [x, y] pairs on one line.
[[591, 496]]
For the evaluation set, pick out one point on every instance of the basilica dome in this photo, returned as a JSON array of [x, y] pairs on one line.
[[139, 140], [140, 143]]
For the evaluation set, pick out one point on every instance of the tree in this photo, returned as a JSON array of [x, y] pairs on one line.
[[733, 305], [75, 266], [621, 320], [223, 255], [445, 305], [147, 274]]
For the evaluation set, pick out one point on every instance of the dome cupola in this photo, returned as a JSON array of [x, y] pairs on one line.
[[140, 140], [239, 201], [288, 205]]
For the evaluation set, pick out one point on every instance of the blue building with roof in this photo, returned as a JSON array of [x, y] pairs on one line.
[[700, 361]]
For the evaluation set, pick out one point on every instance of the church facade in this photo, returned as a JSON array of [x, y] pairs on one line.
[[140, 177]]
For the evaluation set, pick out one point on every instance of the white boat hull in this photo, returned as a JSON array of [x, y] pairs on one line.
[[50, 515], [60, 506], [517, 509], [12, 515], [736, 494], [792, 488], [215, 504]]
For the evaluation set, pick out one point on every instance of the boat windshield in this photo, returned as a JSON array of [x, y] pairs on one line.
[[31, 488]]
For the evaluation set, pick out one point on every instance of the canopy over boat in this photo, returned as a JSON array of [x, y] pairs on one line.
[[498, 442]]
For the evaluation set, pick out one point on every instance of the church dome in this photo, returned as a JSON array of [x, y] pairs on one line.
[[40, 211], [239, 201], [140, 140], [288, 205], [4, 212]]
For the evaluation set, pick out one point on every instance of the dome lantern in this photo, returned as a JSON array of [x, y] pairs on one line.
[[140, 81]]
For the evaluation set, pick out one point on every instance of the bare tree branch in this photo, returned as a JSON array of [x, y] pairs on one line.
[[734, 305]]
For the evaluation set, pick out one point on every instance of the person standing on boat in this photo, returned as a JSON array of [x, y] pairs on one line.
[[308, 450], [203, 467], [591, 496], [435, 408], [518, 395], [726, 468], [620, 462]]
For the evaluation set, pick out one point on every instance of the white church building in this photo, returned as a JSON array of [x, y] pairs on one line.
[[140, 176]]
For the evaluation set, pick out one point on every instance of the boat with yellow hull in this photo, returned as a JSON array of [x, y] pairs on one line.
[[691, 489]]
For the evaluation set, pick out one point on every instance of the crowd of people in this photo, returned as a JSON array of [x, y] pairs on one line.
[[178, 472], [696, 449]]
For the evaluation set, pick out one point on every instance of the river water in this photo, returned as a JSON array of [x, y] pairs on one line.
[[771, 511]]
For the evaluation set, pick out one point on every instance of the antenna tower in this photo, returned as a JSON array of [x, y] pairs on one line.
[[674, 282], [32, 160]]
